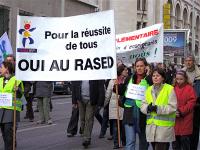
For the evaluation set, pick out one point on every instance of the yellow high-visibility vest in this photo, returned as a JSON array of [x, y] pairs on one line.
[[9, 88], [162, 100]]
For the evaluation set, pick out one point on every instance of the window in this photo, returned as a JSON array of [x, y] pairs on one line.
[[138, 5], [144, 5], [182, 60], [177, 14], [175, 60], [4, 20], [144, 24], [141, 25], [138, 25]]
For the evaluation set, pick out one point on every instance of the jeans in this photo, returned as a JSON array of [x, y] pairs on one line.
[[181, 143], [130, 131], [130, 137]]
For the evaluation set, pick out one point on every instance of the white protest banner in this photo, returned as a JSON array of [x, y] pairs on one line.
[[5, 47], [135, 91], [66, 48], [5, 99], [147, 42]]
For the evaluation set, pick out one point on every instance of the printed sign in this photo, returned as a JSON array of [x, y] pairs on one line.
[[147, 43], [136, 92], [5, 99], [66, 48]]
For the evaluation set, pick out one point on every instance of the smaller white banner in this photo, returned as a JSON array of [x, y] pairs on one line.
[[5, 99], [146, 43], [136, 92]]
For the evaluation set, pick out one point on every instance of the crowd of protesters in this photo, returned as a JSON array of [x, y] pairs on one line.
[[169, 113]]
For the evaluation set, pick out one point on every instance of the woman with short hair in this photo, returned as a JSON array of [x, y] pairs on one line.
[[160, 107]]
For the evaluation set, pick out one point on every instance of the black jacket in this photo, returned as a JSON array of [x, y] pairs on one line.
[[97, 92], [128, 112], [43, 89]]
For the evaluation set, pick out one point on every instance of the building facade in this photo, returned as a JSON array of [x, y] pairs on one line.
[[131, 15], [185, 14], [9, 9]]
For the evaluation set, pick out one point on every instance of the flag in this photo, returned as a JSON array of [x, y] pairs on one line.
[[5, 47]]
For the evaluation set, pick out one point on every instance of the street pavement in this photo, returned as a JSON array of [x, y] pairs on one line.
[[31, 136]]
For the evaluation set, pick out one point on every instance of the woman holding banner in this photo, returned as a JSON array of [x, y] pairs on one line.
[[7, 115], [110, 98], [160, 107], [133, 119]]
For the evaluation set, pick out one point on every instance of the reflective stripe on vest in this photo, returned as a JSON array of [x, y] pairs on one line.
[[128, 102], [9, 88], [162, 100]]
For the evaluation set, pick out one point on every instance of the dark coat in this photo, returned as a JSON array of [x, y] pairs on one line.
[[128, 112], [97, 92], [196, 117], [43, 89]]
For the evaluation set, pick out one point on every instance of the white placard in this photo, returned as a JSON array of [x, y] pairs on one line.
[[146, 42], [136, 92], [5, 99], [66, 48]]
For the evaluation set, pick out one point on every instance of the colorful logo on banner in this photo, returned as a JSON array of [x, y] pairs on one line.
[[26, 32]]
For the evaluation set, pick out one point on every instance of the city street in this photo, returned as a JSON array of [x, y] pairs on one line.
[[141, 55], [31, 136]]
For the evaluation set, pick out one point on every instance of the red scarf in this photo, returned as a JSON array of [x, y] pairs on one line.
[[139, 77], [120, 79]]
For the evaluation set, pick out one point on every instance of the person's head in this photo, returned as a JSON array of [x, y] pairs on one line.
[[148, 69], [119, 63], [161, 65], [140, 66], [181, 78], [158, 76], [122, 70], [10, 58], [189, 61], [7, 68]]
